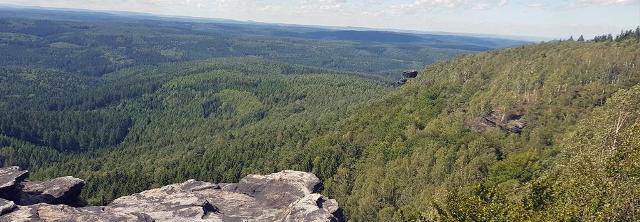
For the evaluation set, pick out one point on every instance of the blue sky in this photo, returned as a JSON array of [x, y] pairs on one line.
[[542, 18]]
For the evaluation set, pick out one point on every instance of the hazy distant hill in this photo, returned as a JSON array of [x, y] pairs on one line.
[[436, 41], [253, 28], [94, 44]]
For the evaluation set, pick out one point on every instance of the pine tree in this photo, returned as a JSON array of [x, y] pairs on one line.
[[570, 38], [581, 38]]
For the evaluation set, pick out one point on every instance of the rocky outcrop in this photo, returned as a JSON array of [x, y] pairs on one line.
[[406, 75], [511, 123], [48, 212], [313, 207], [63, 190], [283, 196], [6, 206], [410, 74], [10, 178]]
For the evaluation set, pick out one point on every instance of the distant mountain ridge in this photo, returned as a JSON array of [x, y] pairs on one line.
[[439, 40]]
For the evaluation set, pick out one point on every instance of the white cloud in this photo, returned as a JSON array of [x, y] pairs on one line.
[[321, 5], [429, 5], [575, 4], [536, 5], [493, 16], [606, 2]]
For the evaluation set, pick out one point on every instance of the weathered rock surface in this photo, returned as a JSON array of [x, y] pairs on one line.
[[6, 206], [512, 123], [10, 178], [314, 207], [283, 196], [47, 212], [62, 190]]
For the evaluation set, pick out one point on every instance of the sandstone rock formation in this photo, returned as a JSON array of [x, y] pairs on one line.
[[63, 190], [283, 196], [10, 177], [6, 206], [512, 122]]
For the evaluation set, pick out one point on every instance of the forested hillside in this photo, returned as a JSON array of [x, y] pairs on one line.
[[530, 133], [215, 120], [539, 132]]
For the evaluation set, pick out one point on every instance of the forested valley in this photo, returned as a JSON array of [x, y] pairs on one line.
[[533, 132]]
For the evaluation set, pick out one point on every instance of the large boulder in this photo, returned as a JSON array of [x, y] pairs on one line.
[[6, 206], [62, 190], [410, 74], [406, 75], [314, 207], [509, 122], [11, 176], [278, 189], [10, 179]]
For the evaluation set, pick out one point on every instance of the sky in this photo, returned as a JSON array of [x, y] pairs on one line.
[[538, 18]]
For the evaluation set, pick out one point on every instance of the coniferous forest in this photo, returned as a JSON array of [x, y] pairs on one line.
[[490, 130]]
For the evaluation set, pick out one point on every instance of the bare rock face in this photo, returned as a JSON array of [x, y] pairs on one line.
[[47, 212], [6, 206], [278, 189], [173, 202], [62, 190], [273, 197], [314, 207], [511, 123], [283, 196], [10, 178]]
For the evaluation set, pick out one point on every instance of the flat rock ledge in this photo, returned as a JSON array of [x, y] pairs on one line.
[[283, 196]]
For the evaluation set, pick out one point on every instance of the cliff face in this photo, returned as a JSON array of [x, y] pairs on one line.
[[283, 196]]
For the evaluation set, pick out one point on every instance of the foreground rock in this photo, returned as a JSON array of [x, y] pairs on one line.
[[10, 178], [63, 190], [283, 196], [47, 212], [6, 206]]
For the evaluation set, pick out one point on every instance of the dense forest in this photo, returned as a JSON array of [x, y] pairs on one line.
[[508, 135], [216, 120], [536, 132]]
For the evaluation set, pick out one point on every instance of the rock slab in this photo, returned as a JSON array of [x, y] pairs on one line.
[[62, 190], [10, 177], [282, 196]]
